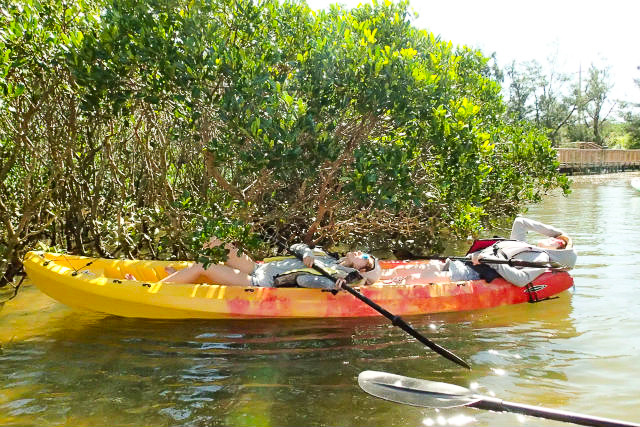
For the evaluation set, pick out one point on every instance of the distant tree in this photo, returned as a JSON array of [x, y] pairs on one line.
[[558, 102], [521, 87], [598, 107], [539, 96], [632, 122]]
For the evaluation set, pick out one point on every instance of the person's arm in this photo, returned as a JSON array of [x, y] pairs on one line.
[[305, 252], [518, 276], [521, 225], [344, 274]]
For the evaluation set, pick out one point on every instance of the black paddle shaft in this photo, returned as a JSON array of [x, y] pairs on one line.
[[511, 262], [400, 322], [395, 320], [492, 404]]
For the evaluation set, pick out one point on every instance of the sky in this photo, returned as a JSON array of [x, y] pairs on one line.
[[577, 33]]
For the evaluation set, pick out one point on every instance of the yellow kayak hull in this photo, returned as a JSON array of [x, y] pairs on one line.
[[98, 285]]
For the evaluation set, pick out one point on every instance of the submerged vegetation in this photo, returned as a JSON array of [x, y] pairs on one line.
[[138, 129]]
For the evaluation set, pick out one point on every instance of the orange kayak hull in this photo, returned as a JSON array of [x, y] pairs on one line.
[[99, 285]]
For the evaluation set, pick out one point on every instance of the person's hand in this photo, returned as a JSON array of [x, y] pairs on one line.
[[339, 283], [475, 258], [212, 243], [308, 261]]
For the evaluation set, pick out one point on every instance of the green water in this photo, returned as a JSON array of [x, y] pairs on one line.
[[580, 352]]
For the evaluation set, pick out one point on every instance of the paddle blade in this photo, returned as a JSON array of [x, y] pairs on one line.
[[413, 391]]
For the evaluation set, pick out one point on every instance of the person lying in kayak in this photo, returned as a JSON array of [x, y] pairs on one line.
[[556, 248], [356, 268]]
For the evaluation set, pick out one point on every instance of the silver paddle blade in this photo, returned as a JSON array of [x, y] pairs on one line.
[[431, 394], [413, 391]]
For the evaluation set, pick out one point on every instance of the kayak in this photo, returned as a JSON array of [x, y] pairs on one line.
[[98, 284], [635, 183]]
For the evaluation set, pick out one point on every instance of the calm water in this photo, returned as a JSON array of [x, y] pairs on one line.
[[580, 352]]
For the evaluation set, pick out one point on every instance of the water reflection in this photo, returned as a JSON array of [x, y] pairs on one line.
[[87, 369]]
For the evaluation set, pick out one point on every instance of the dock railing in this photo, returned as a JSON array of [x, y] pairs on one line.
[[597, 160]]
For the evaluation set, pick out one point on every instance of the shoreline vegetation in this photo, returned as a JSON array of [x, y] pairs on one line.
[[139, 129]]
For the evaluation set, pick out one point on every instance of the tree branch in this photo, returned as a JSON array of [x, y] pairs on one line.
[[213, 172]]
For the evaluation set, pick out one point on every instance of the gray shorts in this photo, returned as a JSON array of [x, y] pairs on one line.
[[461, 272], [263, 276]]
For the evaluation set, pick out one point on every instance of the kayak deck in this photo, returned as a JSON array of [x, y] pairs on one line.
[[99, 285]]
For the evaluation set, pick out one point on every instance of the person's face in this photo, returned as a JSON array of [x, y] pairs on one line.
[[551, 243], [358, 260]]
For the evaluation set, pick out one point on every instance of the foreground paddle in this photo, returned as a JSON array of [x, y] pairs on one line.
[[431, 394], [395, 320]]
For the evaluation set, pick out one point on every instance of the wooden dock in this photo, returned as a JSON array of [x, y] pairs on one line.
[[591, 160]]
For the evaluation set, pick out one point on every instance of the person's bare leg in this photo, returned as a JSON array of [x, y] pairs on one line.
[[225, 275], [240, 262], [186, 275], [428, 277], [218, 274], [434, 266]]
